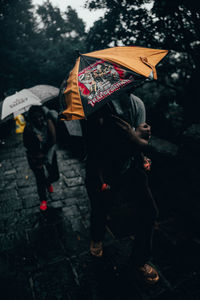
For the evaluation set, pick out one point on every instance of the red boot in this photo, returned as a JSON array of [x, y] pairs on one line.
[[43, 205]]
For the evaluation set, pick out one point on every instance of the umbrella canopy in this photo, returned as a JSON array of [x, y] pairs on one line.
[[99, 74], [45, 92], [21, 101]]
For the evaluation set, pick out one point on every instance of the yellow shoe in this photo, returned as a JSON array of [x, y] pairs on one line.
[[148, 274], [96, 249]]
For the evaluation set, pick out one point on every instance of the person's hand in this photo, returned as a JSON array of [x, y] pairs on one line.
[[123, 125], [139, 137], [144, 131]]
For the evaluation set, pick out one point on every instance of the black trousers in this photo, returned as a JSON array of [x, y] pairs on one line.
[[135, 185], [41, 180]]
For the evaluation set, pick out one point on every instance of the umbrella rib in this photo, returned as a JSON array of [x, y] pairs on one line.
[[84, 58]]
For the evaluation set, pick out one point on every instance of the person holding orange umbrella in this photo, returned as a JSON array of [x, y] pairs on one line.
[[126, 67], [115, 160], [116, 135]]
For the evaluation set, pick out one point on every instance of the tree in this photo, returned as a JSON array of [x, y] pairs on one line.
[[174, 27], [17, 25], [60, 34], [38, 44]]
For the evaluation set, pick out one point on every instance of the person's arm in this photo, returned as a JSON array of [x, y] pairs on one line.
[[52, 131], [34, 152], [139, 137], [51, 136], [138, 109], [140, 117]]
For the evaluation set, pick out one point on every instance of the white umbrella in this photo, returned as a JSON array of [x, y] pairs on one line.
[[18, 103], [21, 101], [45, 92]]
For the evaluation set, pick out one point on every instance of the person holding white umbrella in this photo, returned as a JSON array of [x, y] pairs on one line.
[[39, 138]]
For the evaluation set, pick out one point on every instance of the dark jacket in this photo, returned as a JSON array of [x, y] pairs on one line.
[[37, 150], [109, 151]]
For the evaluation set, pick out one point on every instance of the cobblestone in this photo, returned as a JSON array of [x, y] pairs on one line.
[[45, 256]]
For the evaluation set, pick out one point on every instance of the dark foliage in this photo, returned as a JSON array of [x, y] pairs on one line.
[[157, 24], [37, 45]]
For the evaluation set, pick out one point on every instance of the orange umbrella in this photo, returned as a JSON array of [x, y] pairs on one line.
[[99, 74]]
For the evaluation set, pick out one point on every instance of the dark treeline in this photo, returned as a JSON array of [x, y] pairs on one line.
[[38, 47], [37, 44], [173, 26]]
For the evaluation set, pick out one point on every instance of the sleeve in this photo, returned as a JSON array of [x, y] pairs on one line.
[[139, 112], [51, 141]]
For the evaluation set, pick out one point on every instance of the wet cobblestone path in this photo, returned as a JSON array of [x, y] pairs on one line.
[[45, 256]]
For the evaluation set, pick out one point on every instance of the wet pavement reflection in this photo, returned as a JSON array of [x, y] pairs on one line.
[[45, 256]]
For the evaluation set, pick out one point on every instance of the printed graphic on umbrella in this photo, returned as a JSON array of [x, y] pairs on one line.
[[96, 76], [21, 101]]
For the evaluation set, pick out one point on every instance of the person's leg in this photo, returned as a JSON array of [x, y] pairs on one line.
[[41, 187], [98, 204], [40, 181], [52, 171], [136, 182], [97, 220], [98, 213], [145, 211]]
